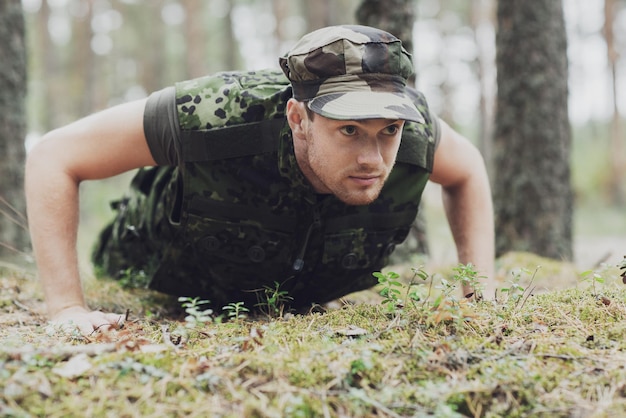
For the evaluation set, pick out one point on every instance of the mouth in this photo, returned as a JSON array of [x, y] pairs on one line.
[[365, 180]]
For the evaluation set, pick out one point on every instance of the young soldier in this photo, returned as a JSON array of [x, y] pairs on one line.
[[307, 178]]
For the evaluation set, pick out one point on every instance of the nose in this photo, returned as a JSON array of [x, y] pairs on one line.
[[370, 154]]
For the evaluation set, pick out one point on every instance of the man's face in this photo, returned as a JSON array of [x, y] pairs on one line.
[[350, 159]]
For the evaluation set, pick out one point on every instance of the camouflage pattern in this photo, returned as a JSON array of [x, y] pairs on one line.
[[352, 72], [235, 222], [130, 246]]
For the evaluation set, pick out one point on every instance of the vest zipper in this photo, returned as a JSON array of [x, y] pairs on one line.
[[298, 265]]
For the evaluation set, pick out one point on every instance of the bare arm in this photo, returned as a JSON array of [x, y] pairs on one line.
[[99, 146], [460, 169]]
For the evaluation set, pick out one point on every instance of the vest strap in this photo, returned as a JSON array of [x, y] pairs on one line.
[[416, 151], [231, 141]]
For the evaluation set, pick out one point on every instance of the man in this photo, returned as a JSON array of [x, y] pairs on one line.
[[305, 182]]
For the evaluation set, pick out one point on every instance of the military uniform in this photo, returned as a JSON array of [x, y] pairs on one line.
[[229, 213]]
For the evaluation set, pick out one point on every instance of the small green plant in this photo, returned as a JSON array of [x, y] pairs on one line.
[[447, 307], [466, 275], [415, 289], [390, 290], [516, 293], [196, 316], [593, 277], [358, 370], [515, 290], [274, 300], [236, 310]]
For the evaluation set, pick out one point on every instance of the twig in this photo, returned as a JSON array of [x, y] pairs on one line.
[[10, 247], [532, 279], [527, 296], [21, 306], [21, 222]]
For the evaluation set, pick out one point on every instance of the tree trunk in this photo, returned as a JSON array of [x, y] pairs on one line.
[[13, 232], [195, 39], [482, 15], [153, 71], [231, 56], [394, 16], [532, 141], [83, 63], [617, 149], [46, 69], [317, 14]]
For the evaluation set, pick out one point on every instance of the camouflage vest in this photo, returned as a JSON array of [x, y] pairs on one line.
[[243, 216]]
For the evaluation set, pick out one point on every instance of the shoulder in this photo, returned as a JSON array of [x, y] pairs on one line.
[[419, 140], [230, 98]]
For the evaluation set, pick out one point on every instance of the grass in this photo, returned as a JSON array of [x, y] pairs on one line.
[[545, 353]]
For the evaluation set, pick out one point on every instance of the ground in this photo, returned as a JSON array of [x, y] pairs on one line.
[[535, 352], [551, 345]]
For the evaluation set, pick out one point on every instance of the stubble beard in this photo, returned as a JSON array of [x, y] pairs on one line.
[[338, 183]]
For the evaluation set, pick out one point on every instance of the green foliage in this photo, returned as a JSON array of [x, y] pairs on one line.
[[515, 291], [466, 275], [236, 310], [196, 316], [273, 300], [446, 307], [390, 290], [593, 277]]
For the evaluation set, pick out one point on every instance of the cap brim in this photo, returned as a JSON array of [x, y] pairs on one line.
[[357, 105]]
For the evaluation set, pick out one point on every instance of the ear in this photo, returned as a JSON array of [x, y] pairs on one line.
[[297, 118]]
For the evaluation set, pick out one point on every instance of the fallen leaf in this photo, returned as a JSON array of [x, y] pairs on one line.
[[75, 367], [351, 331]]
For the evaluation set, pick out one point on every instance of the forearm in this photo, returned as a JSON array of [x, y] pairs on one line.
[[470, 215], [52, 199]]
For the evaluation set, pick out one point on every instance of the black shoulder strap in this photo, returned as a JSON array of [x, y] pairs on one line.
[[416, 149], [231, 141]]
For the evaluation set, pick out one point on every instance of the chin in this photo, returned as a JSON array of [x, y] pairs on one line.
[[360, 199]]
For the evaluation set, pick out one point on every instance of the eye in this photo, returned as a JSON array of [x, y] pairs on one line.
[[349, 130], [392, 129]]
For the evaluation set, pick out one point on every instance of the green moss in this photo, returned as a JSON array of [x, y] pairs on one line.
[[558, 353]]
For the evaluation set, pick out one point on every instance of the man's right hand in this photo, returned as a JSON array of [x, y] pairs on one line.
[[86, 321]]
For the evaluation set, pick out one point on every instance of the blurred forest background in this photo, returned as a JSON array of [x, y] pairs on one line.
[[86, 55]]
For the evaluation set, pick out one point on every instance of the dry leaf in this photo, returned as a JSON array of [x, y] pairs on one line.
[[75, 367], [351, 331]]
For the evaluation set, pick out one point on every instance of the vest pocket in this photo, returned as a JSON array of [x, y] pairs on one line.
[[360, 250], [238, 250]]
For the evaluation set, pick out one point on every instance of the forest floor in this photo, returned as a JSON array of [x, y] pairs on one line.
[[553, 344], [420, 351]]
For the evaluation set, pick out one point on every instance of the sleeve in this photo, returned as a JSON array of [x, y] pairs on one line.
[[436, 130], [161, 127]]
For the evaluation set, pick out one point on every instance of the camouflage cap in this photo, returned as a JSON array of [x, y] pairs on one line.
[[351, 72]]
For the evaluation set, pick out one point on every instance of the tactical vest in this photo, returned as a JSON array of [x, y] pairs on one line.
[[240, 217]]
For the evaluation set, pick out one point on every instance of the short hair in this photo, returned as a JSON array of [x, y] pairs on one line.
[[310, 114]]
